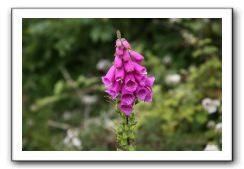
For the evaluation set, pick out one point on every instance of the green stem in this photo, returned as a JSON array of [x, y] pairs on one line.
[[127, 123], [125, 131]]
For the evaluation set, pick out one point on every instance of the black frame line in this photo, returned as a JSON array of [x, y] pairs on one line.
[[127, 161]]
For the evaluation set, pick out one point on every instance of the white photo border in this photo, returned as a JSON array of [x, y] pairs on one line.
[[17, 154]]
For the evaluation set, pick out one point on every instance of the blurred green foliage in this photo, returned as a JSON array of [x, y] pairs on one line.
[[64, 103]]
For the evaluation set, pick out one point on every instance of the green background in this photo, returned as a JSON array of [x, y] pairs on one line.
[[64, 103]]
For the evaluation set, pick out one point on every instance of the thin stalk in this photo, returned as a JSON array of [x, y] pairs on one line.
[[127, 123]]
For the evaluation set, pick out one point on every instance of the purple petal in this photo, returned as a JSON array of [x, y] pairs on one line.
[[127, 109], [117, 61], [141, 79], [118, 43], [122, 43], [129, 66], [140, 69], [119, 74], [119, 51], [126, 44], [109, 77], [130, 83], [148, 97], [141, 93], [136, 56], [114, 90], [126, 56], [150, 80], [127, 97]]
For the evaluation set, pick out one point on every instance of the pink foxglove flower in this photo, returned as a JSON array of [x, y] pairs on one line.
[[127, 97], [118, 61], [119, 74], [141, 70], [126, 56], [119, 51], [148, 97], [136, 56], [129, 66], [108, 79], [141, 93], [122, 43], [130, 83], [149, 81], [141, 79], [126, 108], [127, 78], [114, 90]]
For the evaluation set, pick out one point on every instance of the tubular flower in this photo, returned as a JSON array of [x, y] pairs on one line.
[[127, 97], [136, 56], [114, 90], [118, 61], [127, 79], [130, 83], [108, 79]]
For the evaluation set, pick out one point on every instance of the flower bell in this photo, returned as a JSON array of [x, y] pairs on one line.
[[118, 61], [108, 79]]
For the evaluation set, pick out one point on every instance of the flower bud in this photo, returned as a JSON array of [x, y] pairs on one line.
[[126, 56], [126, 44], [136, 56], [122, 43], [129, 66], [140, 69], [119, 51], [118, 61]]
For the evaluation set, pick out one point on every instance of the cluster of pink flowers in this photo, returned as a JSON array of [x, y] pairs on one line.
[[127, 78]]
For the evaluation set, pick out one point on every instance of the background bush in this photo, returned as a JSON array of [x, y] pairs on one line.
[[64, 103]]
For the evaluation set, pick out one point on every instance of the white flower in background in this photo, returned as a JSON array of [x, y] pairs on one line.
[[72, 139], [67, 115], [109, 124], [183, 71], [211, 147], [76, 142], [72, 133], [189, 37], [89, 99], [211, 124], [103, 64], [210, 105], [173, 79], [218, 127], [167, 60]]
